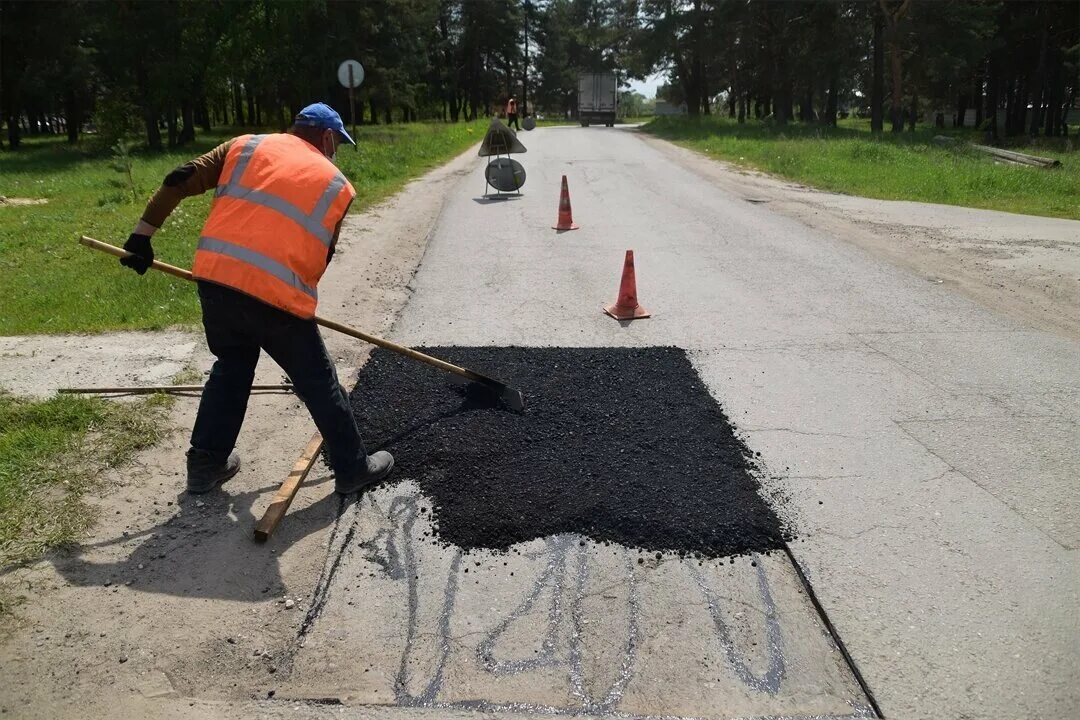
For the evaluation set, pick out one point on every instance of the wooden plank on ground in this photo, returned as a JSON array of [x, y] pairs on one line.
[[285, 494]]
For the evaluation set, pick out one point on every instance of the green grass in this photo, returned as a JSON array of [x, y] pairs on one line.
[[51, 453], [50, 284], [910, 166]]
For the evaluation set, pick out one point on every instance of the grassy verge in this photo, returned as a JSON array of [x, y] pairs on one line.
[[908, 166], [50, 284], [51, 453]]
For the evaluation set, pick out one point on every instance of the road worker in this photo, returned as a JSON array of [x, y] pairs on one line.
[[512, 113], [278, 206]]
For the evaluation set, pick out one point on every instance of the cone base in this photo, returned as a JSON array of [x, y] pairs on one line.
[[571, 226], [621, 312]]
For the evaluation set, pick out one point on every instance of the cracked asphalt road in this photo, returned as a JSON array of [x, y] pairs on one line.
[[926, 444]]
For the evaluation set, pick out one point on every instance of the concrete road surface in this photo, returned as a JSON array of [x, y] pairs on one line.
[[928, 451]]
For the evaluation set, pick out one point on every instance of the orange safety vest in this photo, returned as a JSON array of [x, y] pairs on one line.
[[277, 204]]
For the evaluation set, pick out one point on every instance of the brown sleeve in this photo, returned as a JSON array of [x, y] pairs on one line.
[[192, 178], [337, 231]]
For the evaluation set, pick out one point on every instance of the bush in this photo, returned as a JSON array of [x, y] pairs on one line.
[[116, 119]]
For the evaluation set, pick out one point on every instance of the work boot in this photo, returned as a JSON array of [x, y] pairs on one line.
[[205, 471], [379, 465]]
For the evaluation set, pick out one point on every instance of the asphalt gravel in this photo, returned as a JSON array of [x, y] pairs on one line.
[[623, 445]]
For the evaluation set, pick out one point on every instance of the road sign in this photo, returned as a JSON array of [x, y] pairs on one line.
[[350, 74], [505, 175]]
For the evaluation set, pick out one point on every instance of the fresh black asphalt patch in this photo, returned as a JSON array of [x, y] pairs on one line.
[[622, 445]]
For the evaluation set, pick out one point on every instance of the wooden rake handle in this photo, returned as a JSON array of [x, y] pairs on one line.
[[122, 253], [329, 324]]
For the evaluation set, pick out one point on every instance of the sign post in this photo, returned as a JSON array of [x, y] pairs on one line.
[[351, 75]]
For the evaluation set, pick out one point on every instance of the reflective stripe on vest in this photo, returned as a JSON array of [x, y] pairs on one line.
[[258, 260], [313, 223]]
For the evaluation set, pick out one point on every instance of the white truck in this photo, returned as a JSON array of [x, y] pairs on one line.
[[598, 96]]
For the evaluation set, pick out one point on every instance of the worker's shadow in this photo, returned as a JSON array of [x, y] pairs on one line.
[[204, 549]]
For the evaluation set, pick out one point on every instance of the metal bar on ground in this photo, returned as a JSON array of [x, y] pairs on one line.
[[285, 494], [147, 389], [833, 633]]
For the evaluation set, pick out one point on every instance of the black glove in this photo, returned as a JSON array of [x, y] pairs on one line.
[[143, 253]]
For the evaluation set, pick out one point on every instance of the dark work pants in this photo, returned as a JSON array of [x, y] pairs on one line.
[[237, 327], [511, 119]]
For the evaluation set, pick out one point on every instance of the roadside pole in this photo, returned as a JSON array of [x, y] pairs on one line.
[[351, 75], [352, 102]]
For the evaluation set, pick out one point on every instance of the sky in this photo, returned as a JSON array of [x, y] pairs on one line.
[[648, 88]]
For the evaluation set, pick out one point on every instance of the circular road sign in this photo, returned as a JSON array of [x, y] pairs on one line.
[[357, 74], [505, 175]]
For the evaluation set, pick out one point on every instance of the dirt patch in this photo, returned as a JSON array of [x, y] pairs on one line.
[[622, 445], [10, 201], [38, 365]]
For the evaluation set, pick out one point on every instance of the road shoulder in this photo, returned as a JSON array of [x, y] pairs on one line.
[[169, 597]]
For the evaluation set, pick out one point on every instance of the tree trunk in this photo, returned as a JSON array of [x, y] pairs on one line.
[[1036, 111], [783, 105], [1020, 103], [1065, 112], [204, 113], [172, 127], [252, 116], [1039, 88], [1010, 107], [691, 89], [992, 84], [782, 100], [897, 71], [806, 108], [877, 87], [187, 132], [743, 100], [14, 139], [896, 60], [153, 132], [1049, 124], [914, 111], [73, 113], [829, 116], [238, 105], [961, 109], [977, 95]]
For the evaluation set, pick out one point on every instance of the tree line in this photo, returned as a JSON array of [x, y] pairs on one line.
[[166, 69], [1010, 67]]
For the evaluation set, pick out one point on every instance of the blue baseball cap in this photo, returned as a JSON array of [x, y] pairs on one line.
[[321, 115]]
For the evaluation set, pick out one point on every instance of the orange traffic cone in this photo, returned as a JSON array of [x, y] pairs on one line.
[[566, 217], [626, 307]]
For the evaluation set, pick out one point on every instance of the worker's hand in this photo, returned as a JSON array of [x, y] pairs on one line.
[[143, 253]]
